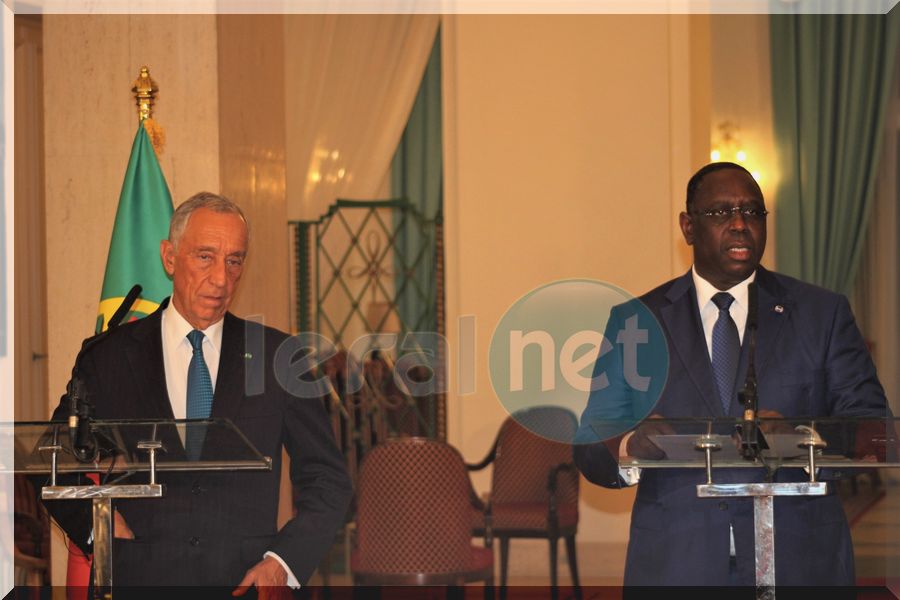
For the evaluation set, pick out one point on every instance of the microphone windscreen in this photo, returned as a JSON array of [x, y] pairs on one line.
[[123, 309], [753, 307]]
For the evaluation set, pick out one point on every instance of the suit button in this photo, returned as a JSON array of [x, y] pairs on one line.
[[195, 541], [723, 505], [196, 489]]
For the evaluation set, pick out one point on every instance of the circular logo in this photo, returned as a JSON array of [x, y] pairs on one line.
[[578, 347]]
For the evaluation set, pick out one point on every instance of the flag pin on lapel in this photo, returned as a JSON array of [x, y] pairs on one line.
[[779, 308]]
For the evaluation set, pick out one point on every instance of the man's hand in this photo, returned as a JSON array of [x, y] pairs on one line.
[[639, 444], [774, 426], [121, 528], [270, 580]]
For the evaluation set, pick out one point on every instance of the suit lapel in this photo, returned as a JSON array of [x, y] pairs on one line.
[[230, 380], [772, 306], [145, 356], [682, 321]]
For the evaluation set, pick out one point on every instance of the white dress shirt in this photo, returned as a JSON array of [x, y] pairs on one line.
[[709, 312], [177, 354]]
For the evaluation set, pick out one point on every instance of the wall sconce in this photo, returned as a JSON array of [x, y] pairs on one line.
[[728, 147]]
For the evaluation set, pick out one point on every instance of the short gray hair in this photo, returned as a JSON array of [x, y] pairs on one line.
[[213, 202]]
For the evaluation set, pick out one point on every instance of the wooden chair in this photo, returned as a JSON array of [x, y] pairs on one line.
[[32, 535], [534, 486]]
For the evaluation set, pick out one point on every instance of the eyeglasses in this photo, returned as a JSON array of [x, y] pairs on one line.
[[724, 215]]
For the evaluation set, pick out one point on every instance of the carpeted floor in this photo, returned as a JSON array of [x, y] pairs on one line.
[[872, 508], [875, 526], [859, 495]]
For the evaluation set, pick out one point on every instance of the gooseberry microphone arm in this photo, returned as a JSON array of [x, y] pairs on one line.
[[751, 437], [81, 409]]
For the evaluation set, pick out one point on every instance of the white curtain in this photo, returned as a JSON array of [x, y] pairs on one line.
[[350, 83]]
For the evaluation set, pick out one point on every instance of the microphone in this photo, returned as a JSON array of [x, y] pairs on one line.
[[752, 307], [750, 440], [81, 409], [123, 309]]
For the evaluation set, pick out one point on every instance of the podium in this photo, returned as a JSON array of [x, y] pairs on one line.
[[136, 450], [827, 449]]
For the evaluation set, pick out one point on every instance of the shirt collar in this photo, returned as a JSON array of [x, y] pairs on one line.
[[706, 290], [175, 328]]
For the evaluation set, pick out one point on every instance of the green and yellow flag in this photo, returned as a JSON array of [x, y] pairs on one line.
[[142, 220]]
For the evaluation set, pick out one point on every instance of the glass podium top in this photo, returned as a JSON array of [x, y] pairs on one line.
[[845, 442], [122, 447]]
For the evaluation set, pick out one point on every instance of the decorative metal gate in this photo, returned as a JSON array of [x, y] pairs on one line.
[[369, 283]]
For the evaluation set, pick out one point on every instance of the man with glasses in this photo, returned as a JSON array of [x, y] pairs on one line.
[[811, 361]]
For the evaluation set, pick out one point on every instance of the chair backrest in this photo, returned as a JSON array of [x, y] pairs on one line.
[[32, 525], [414, 513], [528, 449]]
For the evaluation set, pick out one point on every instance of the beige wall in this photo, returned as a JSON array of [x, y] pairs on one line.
[[252, 151], [742, 94], [568, 142], [30, 275], [90, 63]]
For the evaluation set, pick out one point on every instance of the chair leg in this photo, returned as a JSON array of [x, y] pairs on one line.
[[504, 563], [489, 588], [554, 584], [573, 564]]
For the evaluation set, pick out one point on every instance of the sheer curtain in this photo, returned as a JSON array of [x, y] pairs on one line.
[[350, 83]]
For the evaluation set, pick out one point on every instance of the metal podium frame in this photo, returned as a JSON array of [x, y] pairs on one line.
[[851, 440], [53, 443], [763, 495]]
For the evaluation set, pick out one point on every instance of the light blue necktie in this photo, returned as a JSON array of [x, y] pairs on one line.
[[199, 395], [726, 349]]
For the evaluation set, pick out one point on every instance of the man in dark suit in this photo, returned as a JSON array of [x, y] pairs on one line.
[[811, 361], [191, 358]]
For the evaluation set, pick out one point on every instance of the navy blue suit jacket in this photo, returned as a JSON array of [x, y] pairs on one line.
[[811, 360], [210, 527]]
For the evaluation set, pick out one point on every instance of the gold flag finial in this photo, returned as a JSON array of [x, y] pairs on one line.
[[144, 91]]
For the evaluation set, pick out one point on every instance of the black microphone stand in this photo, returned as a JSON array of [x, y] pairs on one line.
[[752, 440], [81, 409]]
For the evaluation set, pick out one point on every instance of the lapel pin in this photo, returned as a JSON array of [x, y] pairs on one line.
[[247, 355], [779, 308]]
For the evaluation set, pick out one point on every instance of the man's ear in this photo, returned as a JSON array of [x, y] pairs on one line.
[[687, 228], [167, 253]]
